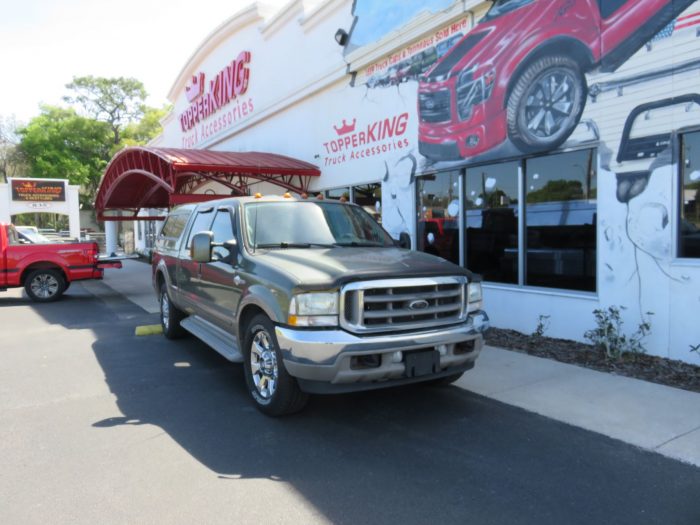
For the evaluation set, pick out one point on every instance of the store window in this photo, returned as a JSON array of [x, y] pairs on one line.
[[689, 230], [369, 197], [491, 207], [338, 193], [560, 220], [438, 215]]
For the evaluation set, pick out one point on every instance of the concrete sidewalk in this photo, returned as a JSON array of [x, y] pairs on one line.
[[650, 416]]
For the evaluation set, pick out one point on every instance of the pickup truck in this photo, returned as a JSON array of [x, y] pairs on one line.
[[313, 297], [47, 270]]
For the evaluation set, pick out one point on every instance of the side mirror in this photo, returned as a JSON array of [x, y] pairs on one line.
[[404, 241], [232, 247], [200, 251]]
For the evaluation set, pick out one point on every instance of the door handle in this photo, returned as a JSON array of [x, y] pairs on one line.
[[237, 280]]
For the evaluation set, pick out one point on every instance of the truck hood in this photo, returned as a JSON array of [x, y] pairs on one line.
[[316, 268], [486, 42]]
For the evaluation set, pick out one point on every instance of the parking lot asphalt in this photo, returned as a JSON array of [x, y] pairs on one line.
[[651, 416], [100, 426]]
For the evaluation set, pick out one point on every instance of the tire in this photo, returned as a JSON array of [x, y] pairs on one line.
[[262, 362], [45, 286], [170, 316], [444, 381], [539, 118]]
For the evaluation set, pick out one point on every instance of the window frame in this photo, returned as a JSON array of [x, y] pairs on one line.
[[678, 180], [522, 222]]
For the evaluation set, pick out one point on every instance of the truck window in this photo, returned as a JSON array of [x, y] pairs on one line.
[[609, 7], [12, 236], [223, 231], [172, 229], [201, 224]]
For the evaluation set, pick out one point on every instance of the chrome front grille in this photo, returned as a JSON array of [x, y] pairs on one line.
[[402, 304], [434, 107]]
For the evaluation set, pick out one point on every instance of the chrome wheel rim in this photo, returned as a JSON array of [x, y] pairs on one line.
[[550, 104], [44, 286], [164, 309], [263, 365]]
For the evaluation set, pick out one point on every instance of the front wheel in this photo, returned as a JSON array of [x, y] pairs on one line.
[[45, 286], [546, 103], [170, 316], [274, 391]]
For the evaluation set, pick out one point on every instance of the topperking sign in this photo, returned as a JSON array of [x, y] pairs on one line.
[[33, 190]]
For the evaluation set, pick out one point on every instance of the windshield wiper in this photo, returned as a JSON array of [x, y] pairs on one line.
[[359, 244], [294, 245]]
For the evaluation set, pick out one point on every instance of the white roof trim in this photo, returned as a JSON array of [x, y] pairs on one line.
[[249, 15]]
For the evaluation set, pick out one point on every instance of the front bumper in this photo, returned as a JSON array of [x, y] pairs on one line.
[[322, 360]]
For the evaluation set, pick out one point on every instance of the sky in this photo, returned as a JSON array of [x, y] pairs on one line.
[[45, 43], [375, 18]]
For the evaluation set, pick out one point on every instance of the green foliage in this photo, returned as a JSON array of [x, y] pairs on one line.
[[61, 144], [557, 190], [11, 160], [116, 101], [609, 336], [77, 143], [542, 325], [141, 132]]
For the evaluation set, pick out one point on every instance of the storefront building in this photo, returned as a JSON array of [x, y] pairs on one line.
[[551, 146]]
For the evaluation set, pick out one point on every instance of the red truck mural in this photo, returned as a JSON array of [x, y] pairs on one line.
[[47, 270], [519, 74]]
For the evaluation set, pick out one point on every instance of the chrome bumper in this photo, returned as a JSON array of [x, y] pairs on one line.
[[325, 355]]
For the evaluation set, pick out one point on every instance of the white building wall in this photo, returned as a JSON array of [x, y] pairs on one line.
[[300, 92]]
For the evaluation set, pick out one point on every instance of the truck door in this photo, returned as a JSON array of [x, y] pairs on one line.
[[189, 272], [219, 283]]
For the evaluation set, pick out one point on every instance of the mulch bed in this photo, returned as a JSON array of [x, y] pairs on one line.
[[641, 366]]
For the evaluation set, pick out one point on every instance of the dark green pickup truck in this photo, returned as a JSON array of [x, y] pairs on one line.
[[313, 297]]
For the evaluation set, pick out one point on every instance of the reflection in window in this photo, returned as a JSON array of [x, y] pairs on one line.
[[438, 212], [560, 221], [338, 193], [491, 207], [369, 197], [201, 224], [689, 230], [222, 227]]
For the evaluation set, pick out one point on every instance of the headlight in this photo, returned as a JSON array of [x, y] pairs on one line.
[[474, 297], [314, 309], [472, 91]]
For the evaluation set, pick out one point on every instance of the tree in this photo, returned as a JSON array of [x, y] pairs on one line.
[[11, 162], [116, 101], [59, 143], [141, 132]]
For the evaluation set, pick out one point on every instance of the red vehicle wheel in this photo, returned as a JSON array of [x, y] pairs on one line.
[[545, 104]]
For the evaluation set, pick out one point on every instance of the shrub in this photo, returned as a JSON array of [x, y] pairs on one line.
[[609, 336]]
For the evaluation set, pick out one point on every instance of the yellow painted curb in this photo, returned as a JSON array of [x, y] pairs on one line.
[[149, 329]]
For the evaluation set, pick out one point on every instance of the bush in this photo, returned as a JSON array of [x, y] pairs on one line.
[[609, 336]]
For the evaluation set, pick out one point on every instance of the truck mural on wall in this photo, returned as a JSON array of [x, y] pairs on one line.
[[518, 82], [519, 74]]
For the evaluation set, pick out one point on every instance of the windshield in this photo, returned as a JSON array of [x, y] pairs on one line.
[[310, 224], [501, 7]]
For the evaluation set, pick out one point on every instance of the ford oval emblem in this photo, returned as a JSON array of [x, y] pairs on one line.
[[419, 304]]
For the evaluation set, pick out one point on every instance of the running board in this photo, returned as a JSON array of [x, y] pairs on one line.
[[222, 342]]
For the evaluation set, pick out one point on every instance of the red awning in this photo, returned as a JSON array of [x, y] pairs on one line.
[[142, 177]]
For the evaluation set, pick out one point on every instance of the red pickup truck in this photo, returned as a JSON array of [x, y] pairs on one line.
[[46, 270]]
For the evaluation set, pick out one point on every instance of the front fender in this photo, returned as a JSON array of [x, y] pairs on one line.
[[269, 301]]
